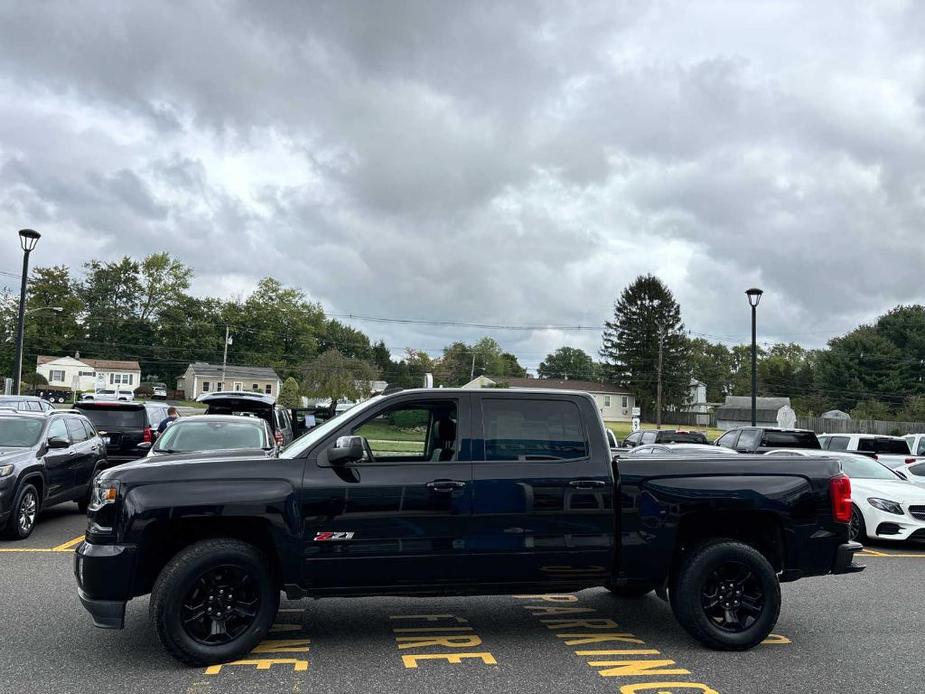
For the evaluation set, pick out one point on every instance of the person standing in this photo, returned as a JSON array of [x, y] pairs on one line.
[[172, 416]]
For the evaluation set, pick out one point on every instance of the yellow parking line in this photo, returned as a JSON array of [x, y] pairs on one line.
[[27, 549], [68, 545], [876, 553]]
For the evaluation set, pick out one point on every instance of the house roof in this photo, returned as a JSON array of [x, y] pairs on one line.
[[744, 414], [563, 384], [745, 401], [106, 364], [204, 370]]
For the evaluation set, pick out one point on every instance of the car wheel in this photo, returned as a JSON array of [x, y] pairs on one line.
[[25, 512], [857, 529], [630, 591], [214, 601], [727, 595]]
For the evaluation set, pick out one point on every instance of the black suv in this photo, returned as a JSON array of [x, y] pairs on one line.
[[254, 404], [638, 438], [126, 427], [764, 439], [45, 459]]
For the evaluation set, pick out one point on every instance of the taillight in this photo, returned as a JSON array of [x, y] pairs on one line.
[[909, 461], [147, 436], [279, 437], [840, 489]]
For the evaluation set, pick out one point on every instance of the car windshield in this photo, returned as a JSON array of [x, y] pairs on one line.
[[20, 432], [682, 437], [115, 417], [212, 436], [884, 445], [862, 467], [790, 439], [311, 437]]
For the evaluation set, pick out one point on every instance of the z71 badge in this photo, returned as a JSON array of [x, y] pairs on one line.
[[329, 536]]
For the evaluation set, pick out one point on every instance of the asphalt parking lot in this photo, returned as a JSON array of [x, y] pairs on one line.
[[842, 634]]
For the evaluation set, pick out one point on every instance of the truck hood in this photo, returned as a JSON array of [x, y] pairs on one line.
[[895, 490], [165, 468], [14, 454]]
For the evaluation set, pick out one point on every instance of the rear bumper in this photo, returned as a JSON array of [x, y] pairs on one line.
[[104, 580], [844, 559]]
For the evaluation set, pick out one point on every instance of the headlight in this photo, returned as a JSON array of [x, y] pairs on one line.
[[886, 505], [6, 470], [104, 492]]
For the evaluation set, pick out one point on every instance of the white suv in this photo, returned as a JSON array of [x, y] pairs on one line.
[[892, 451], [916, 443]]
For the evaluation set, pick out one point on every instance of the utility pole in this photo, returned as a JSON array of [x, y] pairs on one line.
[[472, 370], [658, 406], [225, 357]]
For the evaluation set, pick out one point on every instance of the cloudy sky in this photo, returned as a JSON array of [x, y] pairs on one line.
[[505, 163]]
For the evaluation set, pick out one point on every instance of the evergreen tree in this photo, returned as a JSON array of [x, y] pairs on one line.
[[646, 316]]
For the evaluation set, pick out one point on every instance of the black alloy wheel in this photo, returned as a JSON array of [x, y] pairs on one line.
[[222, 604], [732, 598]]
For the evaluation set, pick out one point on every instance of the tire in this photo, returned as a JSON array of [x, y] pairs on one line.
[[22, 522], [202, 570], [710, 575], [630, 592], [857, 530]]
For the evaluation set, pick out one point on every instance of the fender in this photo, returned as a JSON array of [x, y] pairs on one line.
[[32, 473]]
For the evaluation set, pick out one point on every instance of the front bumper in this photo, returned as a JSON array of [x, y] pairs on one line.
[[104, 581], [882, 525], [844, 559]]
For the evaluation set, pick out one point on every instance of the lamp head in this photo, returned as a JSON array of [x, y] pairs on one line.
[[754, 295], [28, 238]]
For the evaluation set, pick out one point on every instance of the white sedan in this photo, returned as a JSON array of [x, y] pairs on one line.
[[886, 506]]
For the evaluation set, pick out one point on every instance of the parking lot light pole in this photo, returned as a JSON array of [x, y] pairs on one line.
[[754, 296], [27, 239]]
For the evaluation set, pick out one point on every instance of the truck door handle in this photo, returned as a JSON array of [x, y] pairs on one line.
[[72, 452], [445, 485], [587, 484]]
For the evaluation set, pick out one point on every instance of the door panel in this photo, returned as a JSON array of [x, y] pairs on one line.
[[400, 519], [59, 462], [535, 519]]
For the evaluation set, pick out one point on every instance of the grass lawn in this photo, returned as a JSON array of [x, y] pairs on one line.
[[384, 432], [623, 429], [395, 446]]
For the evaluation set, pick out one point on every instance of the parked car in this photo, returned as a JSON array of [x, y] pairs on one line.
[[689, 449], [763, 439], [127, 428], [638, 438], [496, 487], [222, 434], [109, 394], [916, 443], [915, 473], [885, 505], [25, 403], [242, 402], [890, 450], [160, 391], [45, 459]]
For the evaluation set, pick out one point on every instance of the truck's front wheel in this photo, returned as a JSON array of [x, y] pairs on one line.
[[727, 595], [214, 601]]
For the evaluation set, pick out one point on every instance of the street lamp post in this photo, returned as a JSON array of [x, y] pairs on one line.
[[754, 296], [27, 239]]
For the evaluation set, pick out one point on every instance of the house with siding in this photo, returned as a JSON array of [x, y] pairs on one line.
[[201, 377], [86, 373]]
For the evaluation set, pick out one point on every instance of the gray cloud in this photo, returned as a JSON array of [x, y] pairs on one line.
[[513, 163]]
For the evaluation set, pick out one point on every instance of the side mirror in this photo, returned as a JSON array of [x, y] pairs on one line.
[[347, 449], [58, 442], [144, 445]]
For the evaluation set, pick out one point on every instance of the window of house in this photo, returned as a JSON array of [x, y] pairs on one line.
[[205, 386], [625, 402], [256, 388], [269, 389], [606, 401], [56, 375], [131, 379], [220, 386], [86, 373], [527, 430]]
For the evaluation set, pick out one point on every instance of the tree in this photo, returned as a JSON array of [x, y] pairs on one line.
[[712, 364], [567, 362], [332, 376], [646, 315], [289, 395], [164, 281], [859, 366], [871, 409]]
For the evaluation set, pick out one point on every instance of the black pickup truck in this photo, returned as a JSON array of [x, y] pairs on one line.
[[454, 492]]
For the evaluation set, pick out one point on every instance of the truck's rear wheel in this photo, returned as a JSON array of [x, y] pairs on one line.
[[214, 601], [727, 595]]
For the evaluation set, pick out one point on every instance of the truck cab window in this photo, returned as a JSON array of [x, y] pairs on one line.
[[421, 432], [532, 430]]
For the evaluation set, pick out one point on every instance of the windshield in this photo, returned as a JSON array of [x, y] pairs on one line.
[[212, 436], [862, 467], [311, 437], [115, 417], [884, 445], [19, 432]]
